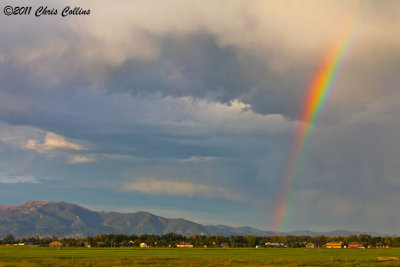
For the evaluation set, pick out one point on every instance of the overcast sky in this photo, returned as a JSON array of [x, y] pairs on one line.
[[189, 108]]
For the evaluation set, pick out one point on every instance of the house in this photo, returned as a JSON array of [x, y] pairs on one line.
[[224, 245], [310, 245], [55, 244], [143, 245], [274, 245], [184, 246], [339, 244], [356, 245], [381, 245], [313, 245]]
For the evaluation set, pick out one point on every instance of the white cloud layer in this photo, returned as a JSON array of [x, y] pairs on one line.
[[18, 179], [176, 188], [51, 142], [80, 159]]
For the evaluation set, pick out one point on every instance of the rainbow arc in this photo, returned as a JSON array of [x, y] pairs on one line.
[[314, 102]]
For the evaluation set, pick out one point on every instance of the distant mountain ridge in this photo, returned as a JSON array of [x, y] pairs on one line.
[[40, 218]]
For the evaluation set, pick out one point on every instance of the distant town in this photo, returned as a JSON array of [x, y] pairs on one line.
[[362, 241]]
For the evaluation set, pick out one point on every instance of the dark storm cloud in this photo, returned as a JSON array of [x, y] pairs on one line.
[[194, 64]]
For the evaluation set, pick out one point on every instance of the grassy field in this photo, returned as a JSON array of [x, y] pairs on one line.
[[40, 256]]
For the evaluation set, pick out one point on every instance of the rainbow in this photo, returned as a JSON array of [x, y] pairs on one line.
[[315, 100]]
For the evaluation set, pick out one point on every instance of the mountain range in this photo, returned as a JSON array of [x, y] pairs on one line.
[[40, 218]]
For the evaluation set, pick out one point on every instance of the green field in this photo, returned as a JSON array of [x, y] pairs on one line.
[[41, 256]]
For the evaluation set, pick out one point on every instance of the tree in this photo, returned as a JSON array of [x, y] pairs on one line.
[[8, 240], [252, 241], [352, 238], [320, 239]]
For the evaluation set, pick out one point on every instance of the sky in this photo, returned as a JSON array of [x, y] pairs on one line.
[[189, 109]]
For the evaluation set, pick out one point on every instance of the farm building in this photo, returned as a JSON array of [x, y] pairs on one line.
[[224, 245], [380, 245], [339, 244], [274, 245], [356, 245], [313, 245], [55, 244], [184, 246]]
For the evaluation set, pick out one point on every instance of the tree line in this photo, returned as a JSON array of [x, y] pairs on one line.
[[172, 239]]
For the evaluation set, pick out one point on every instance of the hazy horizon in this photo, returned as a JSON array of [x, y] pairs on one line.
[[157, 213]]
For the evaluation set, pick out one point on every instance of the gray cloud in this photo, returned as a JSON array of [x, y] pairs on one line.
[[266, 59]]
